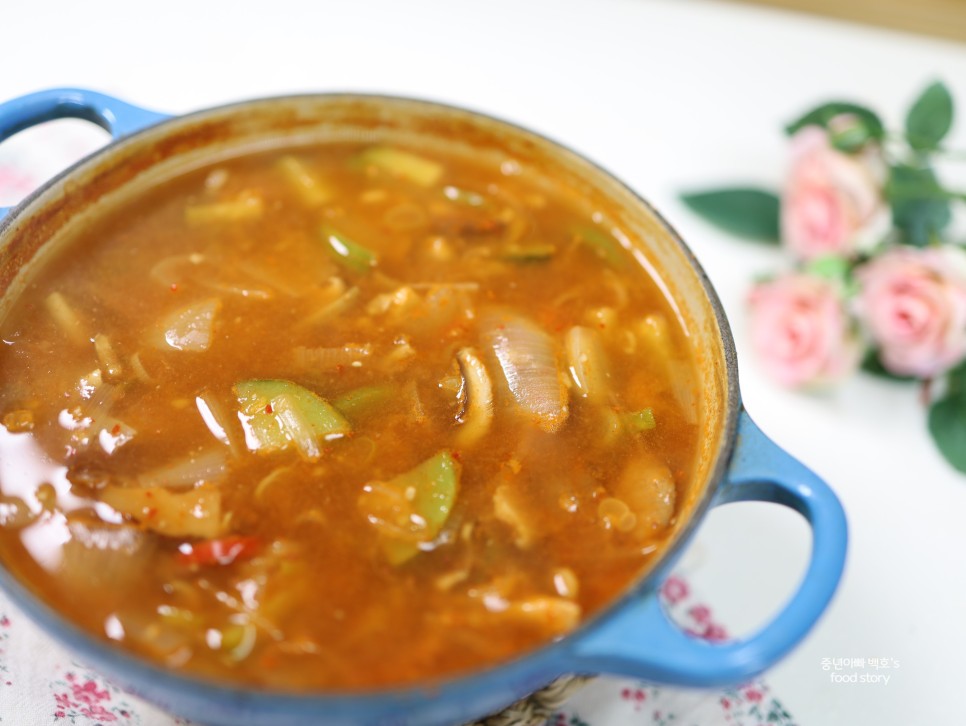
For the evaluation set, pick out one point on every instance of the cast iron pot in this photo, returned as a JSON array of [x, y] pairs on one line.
[[631, 637]]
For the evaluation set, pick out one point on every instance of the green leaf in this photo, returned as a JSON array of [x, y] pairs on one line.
[[850, 137], [872, 365], [930, 117], [920, 207], [868, 121], [956, 379], [947, 424], [742, 211], [830, 267]]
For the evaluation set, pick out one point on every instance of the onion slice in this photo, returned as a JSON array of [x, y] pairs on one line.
[[189, 328], [194, 513], [528, 359], [218, 421], [333, 358], [192, 469], [588, 364]]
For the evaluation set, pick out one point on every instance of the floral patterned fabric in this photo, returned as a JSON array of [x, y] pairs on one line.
[[41, 684], [618, 701]]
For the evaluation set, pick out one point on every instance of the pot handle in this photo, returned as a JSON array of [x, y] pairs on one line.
[[111, 114], [642, 642]]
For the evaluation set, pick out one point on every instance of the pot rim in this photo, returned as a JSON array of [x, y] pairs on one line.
[[550, 658]]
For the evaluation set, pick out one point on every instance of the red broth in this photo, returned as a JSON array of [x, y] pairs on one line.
[[341, 417]]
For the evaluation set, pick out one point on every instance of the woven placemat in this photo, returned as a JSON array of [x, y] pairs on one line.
[[535, 709]]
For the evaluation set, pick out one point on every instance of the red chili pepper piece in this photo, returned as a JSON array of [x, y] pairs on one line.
[[222, 551]]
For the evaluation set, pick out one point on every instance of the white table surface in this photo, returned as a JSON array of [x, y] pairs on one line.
[[667, 95]]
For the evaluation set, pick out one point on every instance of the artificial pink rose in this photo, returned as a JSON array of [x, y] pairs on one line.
[[801, 330], [832, 203], [913, 302]]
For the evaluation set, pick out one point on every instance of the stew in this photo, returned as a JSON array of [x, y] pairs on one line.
[[341, 417]]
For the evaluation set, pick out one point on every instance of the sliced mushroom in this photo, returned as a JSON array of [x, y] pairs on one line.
[[476, 398]]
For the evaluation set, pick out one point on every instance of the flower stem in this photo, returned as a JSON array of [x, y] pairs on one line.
[[912, 191]]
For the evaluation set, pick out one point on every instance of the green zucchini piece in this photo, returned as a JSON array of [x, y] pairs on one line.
[[361, 400], [435, 484], [638, 421], [534, 252], [464, 196], [603, 245], [307, 186], [280, 415], [348, 253], [405, 164]]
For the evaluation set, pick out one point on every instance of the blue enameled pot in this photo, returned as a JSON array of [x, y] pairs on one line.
[[632, 636]]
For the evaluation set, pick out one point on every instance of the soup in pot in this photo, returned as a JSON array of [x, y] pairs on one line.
[[342, 417]]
